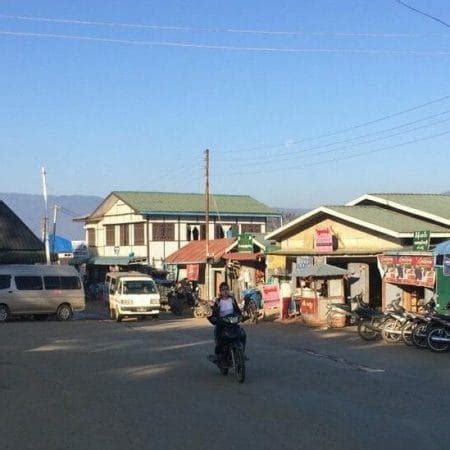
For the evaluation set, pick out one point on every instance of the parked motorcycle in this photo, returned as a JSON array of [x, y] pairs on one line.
[[414, 331], [370, 321], [180, 297], [396, 317], [249, 305], [233, 351], [438, 333]]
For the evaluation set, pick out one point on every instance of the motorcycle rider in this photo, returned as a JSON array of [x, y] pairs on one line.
[[224, 305]]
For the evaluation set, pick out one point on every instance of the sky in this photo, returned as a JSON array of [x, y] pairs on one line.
[[290, 128]]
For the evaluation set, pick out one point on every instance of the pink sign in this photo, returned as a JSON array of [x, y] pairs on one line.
[[192, 271], [323, 240], [271, 296]]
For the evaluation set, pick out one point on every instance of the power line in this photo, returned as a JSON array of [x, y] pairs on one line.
[[436, 19], [342, 158], [330, 144], [287, 50], [215, 29], [342, 130]]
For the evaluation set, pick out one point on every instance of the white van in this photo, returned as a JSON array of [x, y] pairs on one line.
[[132, 294], [40, 291]]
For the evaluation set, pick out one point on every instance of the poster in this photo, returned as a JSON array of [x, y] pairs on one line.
[[271, 296], [411, 270], [323, 240], [446, 266], [192, 271]]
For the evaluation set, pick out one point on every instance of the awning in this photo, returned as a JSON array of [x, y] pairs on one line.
[[239, 256], [322, 270], [442, 248], [107, 260], [195, 251]]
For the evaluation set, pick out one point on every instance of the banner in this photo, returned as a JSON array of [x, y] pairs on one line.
[[411, 270], [323, 240], [192, 271], [245, 243], [421, 241], [271, 296]]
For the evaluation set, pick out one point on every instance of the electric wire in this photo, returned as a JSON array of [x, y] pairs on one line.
[[180, 44], [341, 158], [423, 13], [156, 27], [330, 144]]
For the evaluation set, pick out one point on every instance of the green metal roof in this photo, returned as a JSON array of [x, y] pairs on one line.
[[436, 204], [388, 219], [166, 202]]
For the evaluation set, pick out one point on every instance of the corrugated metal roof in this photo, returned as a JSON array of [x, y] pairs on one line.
[[436, 204], [388, 219], [14, 234], [157, 202], [195, 251]]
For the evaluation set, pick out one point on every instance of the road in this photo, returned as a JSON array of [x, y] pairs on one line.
[[97, 384]]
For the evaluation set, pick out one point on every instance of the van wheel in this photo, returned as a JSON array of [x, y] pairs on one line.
[[64, 312], [112, 314], [4, 313]]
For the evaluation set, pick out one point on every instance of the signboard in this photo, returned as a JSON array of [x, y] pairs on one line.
[[421, 241], [446, 266], [192, 272], [412, 270], [271, 296], [308, 306], [323, 240], [302, 263], [245, 243]]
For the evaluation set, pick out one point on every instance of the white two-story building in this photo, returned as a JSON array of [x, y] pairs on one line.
[[149, 226]]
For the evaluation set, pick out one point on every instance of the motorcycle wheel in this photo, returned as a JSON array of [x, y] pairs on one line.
[[391, 331], [407, 330], [253, 312], [365, 332], [437, 347], [223, 370], [239, 364], [419, 335]]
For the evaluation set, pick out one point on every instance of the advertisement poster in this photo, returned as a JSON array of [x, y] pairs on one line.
[[271, 296], [446, 268], [323, 240], [412, 270], [192, 271]]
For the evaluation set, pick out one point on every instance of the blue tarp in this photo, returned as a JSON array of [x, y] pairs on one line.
[[443, 248], [61, 245]]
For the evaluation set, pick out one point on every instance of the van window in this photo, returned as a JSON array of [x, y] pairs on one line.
[[5, 281], [112, 286], [29, 283], [139, 287], [62, 283]]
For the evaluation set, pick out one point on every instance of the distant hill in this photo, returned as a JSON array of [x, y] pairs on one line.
[[30, 208], [287, 215]]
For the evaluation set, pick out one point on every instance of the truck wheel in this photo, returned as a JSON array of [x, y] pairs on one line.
[[4, 313], [64, 312]]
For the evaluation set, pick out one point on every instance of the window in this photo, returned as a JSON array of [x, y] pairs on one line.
[[29, 283], [218, 232], [110, 235], [62, 283], [91, 237], [124, 234], [163, 231], [5, 281], [139, 287], [250, 228], [192, 233], [139, 234]]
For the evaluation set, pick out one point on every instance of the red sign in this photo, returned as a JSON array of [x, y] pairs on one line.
[[412, 270], [192, 271], [308, 306], [271, 296], [323, 240]]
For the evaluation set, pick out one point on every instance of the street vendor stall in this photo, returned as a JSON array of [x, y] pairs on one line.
[[442, 268], [316, 288]]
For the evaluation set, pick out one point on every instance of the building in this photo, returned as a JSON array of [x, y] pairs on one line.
[[18, 244], [353, 236], [149, 226]]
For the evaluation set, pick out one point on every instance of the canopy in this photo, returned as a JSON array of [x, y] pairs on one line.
[[322, 271], [443, 248]]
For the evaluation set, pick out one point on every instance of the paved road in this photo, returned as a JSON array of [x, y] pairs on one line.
[[91, 384]]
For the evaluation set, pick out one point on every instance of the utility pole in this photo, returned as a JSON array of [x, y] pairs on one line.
[[46, 243], [55, 211], [207, 268]]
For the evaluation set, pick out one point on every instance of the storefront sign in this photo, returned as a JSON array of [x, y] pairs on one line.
[[412, 270], [245, 243], [323, 240], [421, 241], [271, 296], [446, 265], [192, 271], [308, 306], [302, 263]]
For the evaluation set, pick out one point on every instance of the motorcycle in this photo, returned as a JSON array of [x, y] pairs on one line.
[[414, 329], [233, 350], [396, 317], [438, 333], [180, 297], [370, 321], [249, 305]]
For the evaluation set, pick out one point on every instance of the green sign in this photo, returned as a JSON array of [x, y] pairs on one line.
[[245, 243], [421, 241]]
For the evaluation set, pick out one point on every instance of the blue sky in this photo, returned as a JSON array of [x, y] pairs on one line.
[[108, 116]]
